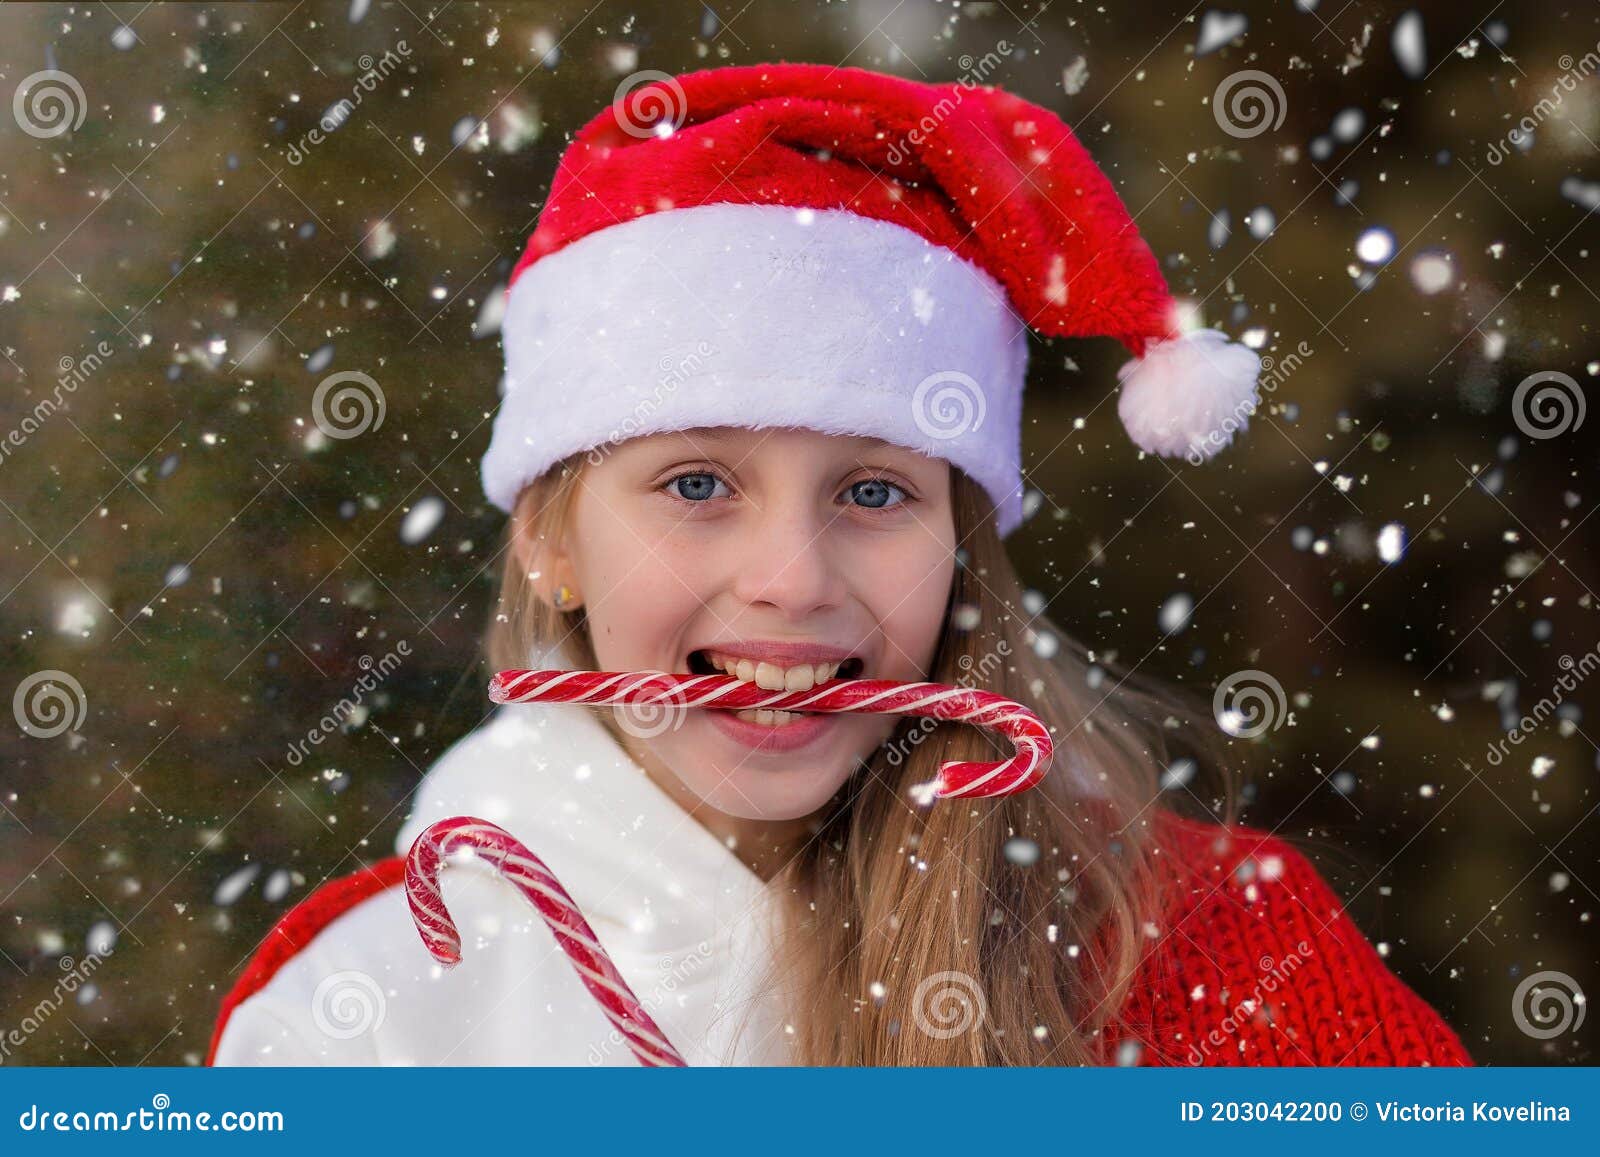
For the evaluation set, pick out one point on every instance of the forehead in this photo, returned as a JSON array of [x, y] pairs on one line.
[[730, 438]]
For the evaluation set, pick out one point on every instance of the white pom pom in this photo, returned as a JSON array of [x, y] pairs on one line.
[[1189, 395]]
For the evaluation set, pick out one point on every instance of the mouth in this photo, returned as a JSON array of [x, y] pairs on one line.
[[772, 677]]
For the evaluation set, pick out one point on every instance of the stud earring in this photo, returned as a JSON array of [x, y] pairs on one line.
[[563, 596]]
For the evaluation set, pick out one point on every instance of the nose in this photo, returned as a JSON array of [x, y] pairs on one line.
[[788, 562]]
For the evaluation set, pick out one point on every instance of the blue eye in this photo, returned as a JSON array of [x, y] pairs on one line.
[[700, 486], [875, 493]]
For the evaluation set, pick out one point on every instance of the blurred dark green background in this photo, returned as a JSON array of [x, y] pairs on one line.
[[180, 539]]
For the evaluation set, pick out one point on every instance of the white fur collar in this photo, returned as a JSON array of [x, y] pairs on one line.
[[556, 779], [655, 885]]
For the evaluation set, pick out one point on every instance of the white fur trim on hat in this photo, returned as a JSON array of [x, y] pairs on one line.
[[1189, 395], [760, 316]]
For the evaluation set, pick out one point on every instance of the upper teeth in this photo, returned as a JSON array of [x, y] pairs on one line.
[[770, 676]]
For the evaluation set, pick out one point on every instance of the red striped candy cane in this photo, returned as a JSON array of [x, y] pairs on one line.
[[957, 778], [524, 870]]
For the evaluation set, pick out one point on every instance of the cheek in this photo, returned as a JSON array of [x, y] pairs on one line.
[[637, 599], [910, 604]]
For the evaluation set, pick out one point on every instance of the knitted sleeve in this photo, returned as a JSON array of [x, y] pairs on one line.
[[1257, 963]]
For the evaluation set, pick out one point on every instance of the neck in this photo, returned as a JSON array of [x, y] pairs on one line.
[[763, 846]]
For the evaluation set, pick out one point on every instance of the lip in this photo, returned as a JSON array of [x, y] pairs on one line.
[[790, 737]]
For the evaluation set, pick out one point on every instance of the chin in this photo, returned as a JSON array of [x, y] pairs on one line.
[[749, 793], [773, 785]]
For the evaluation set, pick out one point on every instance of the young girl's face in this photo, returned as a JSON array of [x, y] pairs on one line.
[[764, 553]]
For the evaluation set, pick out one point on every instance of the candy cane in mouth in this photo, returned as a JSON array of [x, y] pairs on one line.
[[957, 778]]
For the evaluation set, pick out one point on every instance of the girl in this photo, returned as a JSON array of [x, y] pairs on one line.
[[765, 357]]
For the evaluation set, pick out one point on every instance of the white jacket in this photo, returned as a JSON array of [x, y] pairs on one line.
[[685, 921]]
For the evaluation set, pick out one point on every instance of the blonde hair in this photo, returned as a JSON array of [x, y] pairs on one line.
[[982, 932]]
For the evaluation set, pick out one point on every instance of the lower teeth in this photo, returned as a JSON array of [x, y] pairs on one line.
[[768, 717]]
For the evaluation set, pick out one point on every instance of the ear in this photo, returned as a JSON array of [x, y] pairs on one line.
[[545, 564]]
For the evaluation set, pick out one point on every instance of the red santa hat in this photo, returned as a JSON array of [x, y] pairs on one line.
[[840, 250]]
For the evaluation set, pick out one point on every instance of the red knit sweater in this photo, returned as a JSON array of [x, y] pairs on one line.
[[1256, 963]]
